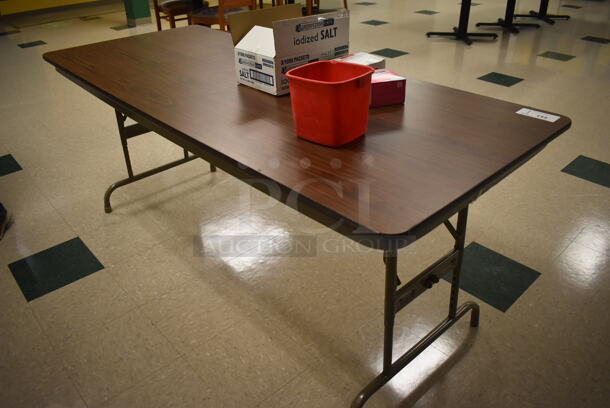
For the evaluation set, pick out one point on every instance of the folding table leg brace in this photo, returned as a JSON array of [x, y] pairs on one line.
[[127, 132], [395, 300]]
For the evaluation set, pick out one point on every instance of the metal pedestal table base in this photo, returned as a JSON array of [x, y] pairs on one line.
[[542, 14], [461, 31]]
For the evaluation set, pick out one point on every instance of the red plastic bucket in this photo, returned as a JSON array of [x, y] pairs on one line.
[[330, 101]]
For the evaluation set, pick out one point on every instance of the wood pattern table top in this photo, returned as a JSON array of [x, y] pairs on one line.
[[417, 162]]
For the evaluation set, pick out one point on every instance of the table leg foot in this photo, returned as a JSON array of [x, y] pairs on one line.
[[109, 191], [474, 316]]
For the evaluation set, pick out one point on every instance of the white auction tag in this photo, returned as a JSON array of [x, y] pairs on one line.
[[538, 115]]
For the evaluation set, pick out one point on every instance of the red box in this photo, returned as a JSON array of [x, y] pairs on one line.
[[387, 88]]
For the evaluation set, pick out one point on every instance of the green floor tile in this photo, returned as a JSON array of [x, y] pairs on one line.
[[54, 268], [589, 169], [495, 279], [31, 44], [500, 79], [8, 165], [9, 31], [89, 18], [119, 28], [596, 39], [374, 22], [365, 3], [556, 56], [427, 12], [389, 53], [56, 24], [570, 6]]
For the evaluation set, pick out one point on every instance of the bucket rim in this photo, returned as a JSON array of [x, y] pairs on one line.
[[367, 71]]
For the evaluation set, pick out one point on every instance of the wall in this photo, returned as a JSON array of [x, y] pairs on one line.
[[19, 6]]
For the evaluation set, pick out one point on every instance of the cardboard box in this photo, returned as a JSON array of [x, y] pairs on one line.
[[387, 88], [362, 58], [271, 41]]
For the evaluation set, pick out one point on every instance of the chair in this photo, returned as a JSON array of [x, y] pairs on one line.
[[169, 9], [208, 16], [318, 4]]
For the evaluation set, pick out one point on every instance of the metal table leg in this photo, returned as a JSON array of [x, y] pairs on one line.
[[395, 300], [127, 132], [542, 14]]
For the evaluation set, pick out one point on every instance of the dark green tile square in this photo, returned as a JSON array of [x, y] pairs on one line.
[[54, 268], [374, 22], [426, 12], [570, 6], [589, 169], [119, 28], [600, 40], [32, 44], [365, 3], [500, 79], [8, 165], [495, 279], [556, 55], [9, 31], [56, 24], [89, 18], [389, 53]]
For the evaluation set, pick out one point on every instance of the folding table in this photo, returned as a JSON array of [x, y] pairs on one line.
[[418, 165]]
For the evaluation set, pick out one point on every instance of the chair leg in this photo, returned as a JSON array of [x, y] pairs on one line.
[[158, 18], [345, 4], [172, 21]]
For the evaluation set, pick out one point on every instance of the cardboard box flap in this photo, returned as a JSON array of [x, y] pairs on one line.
[[241, 23], [305, 33], [259, 40]]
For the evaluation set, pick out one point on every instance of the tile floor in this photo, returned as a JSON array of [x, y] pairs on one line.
[[155, 317]]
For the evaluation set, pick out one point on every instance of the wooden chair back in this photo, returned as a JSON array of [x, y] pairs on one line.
[[217, 15]]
